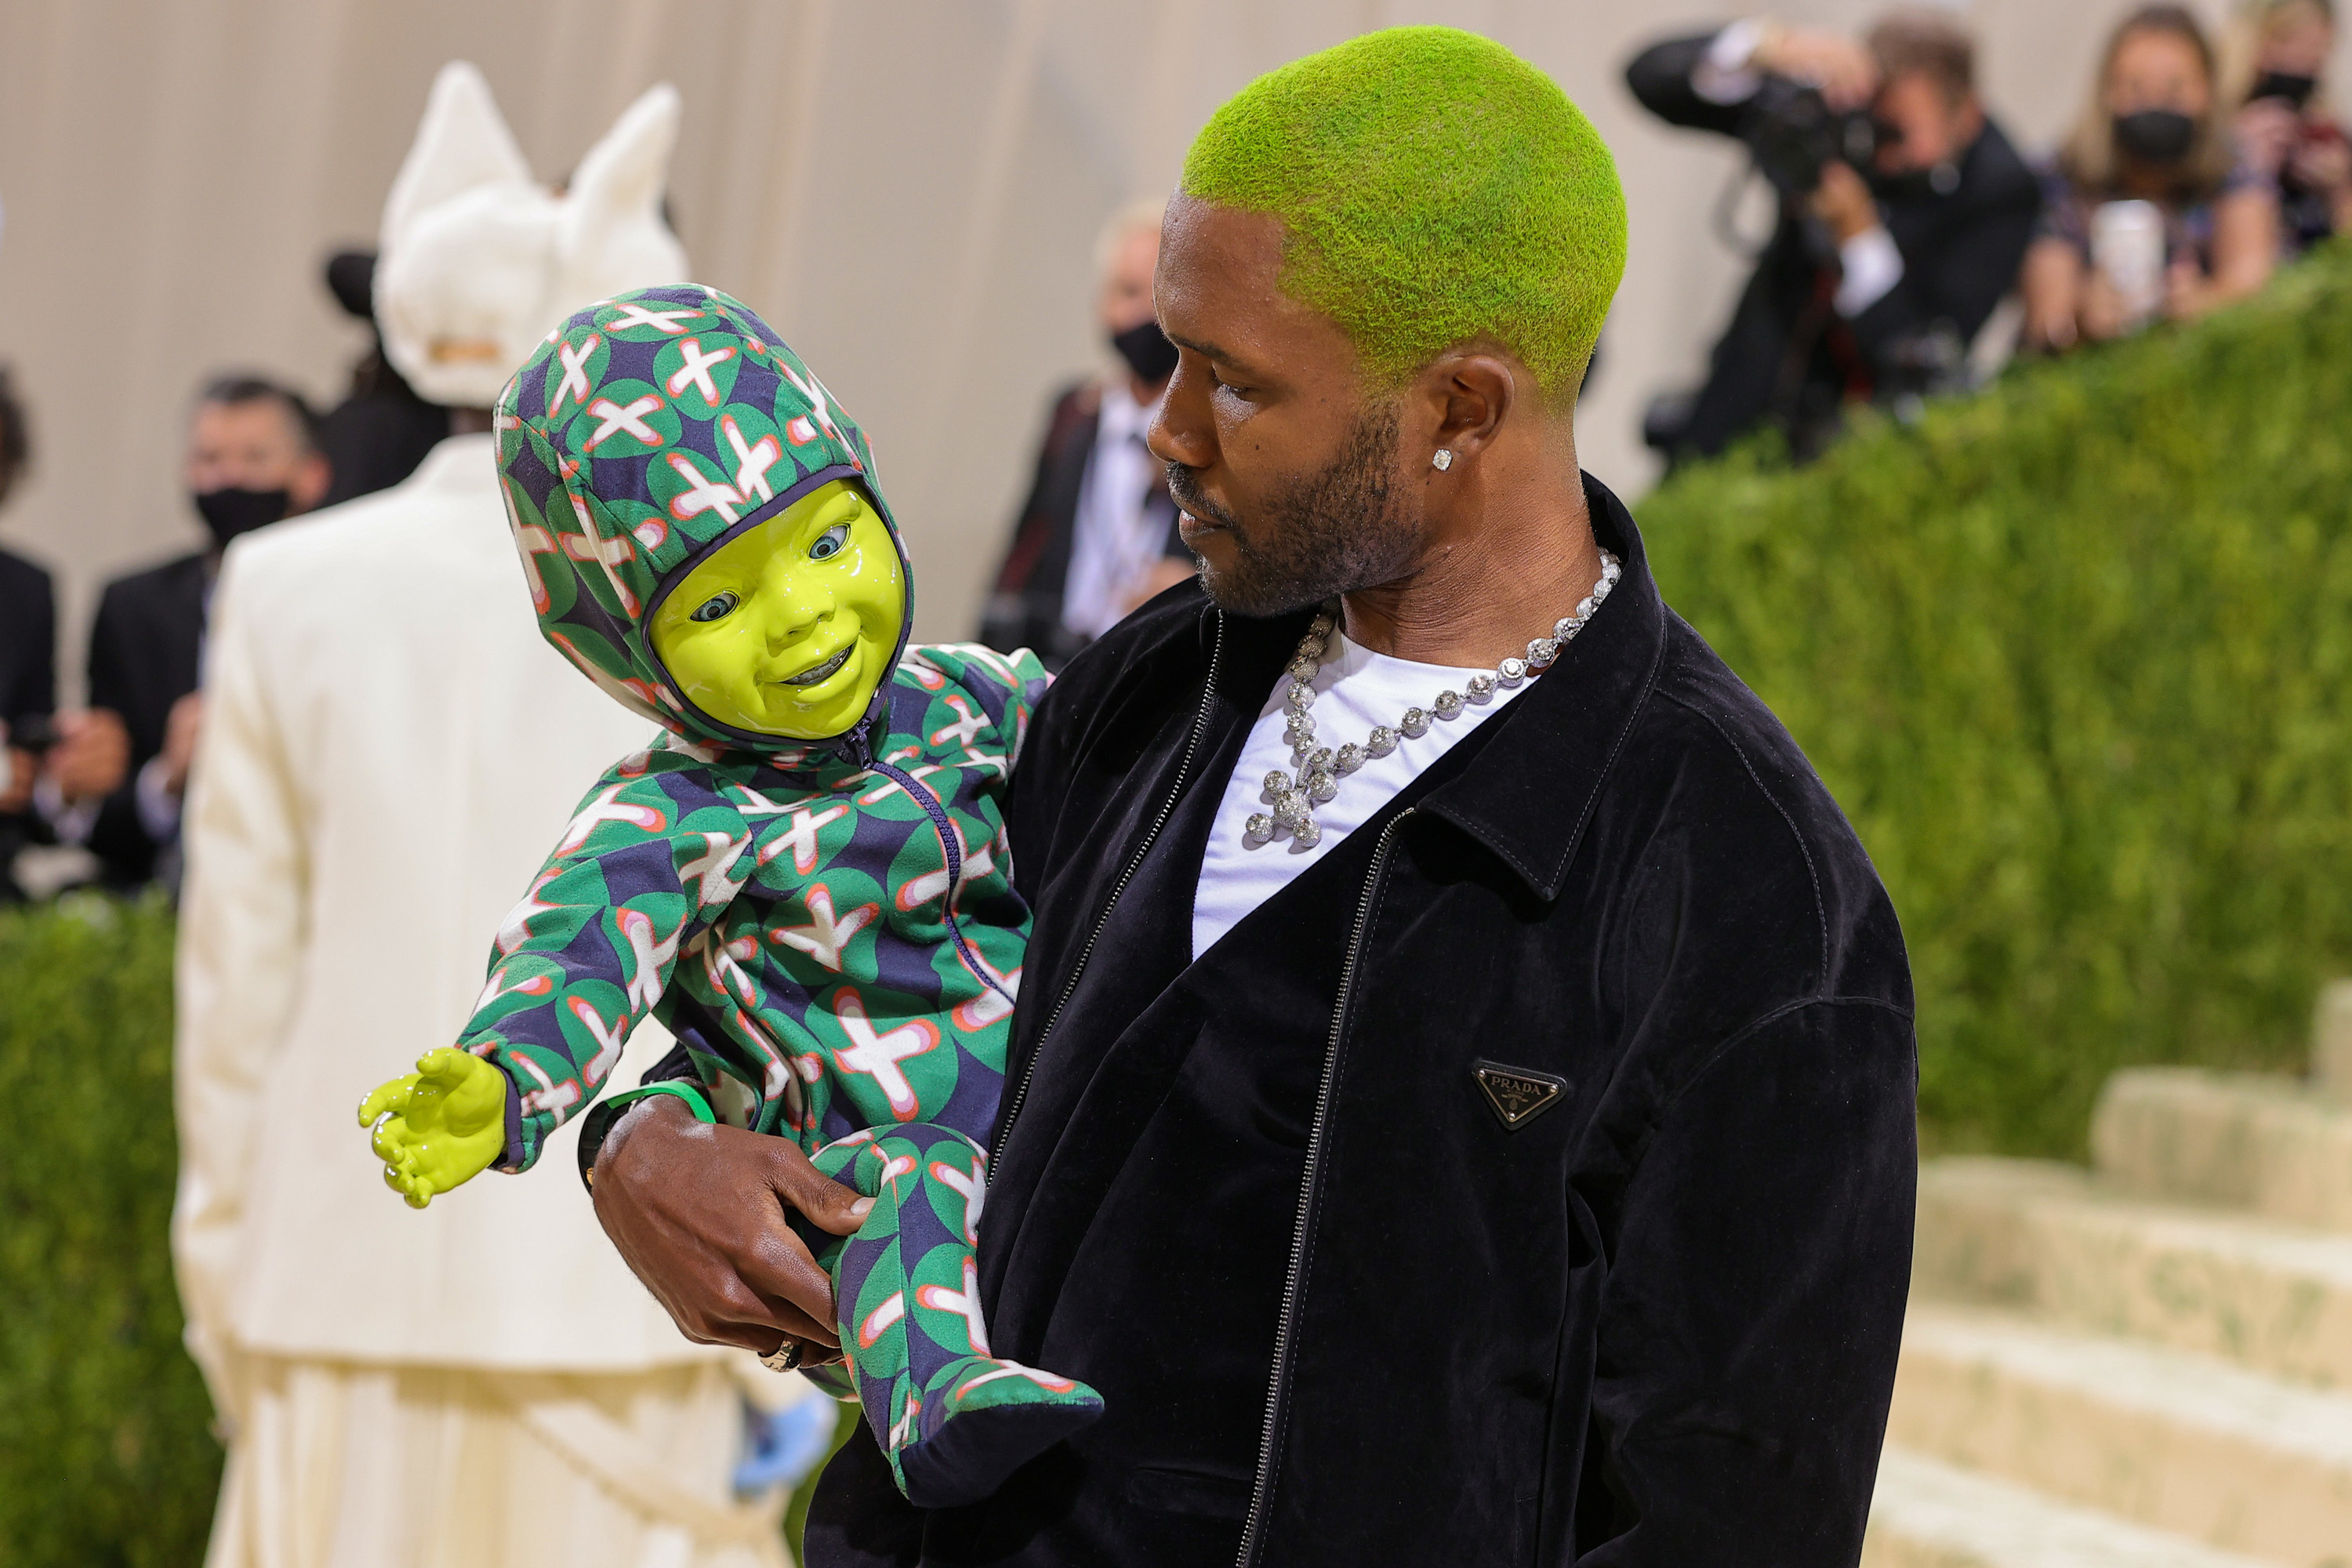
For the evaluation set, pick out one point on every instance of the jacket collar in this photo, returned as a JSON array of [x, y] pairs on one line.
[[458, 465], [1528, 794]]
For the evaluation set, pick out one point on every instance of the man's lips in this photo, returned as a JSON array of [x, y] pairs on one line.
[[824, 672]]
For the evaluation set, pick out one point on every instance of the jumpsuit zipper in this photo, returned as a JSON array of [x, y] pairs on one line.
[[858, 745], [1199, 728], [923, 795], [1264, 1482]]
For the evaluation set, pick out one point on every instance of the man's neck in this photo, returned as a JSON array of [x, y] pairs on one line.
[[1492, 582]]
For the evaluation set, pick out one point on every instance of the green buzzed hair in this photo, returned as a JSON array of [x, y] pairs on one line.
[[1437, 189]]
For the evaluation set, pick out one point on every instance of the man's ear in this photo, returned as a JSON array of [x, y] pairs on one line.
[[1469, 395]]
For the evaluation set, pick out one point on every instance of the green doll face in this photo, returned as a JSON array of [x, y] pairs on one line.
[[789, 628]]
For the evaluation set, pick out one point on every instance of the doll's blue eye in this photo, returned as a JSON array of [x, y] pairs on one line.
[[830, 542], [718, 604]]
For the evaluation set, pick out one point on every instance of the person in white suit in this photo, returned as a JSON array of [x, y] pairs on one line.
[[390, 747]]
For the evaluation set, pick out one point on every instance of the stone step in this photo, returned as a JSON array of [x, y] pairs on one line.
[[2153, 1435], [2331, 1042], [2271, 1296], [2245, 1141], [1929, 1514]]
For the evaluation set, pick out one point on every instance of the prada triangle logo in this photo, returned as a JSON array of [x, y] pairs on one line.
[[1518, 1095]]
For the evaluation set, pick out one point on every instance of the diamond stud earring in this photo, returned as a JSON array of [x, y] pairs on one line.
[[1442, 460]]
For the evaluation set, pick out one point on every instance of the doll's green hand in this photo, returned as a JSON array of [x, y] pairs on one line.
[[439, 1127]]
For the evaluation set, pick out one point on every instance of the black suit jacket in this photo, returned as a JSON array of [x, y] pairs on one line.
[[1025, 608], [144, 650], [28, 677], [1340, 1310], [1787, 359], [28, 640]]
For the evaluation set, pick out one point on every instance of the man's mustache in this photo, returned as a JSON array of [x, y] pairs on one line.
[[1185, 489]]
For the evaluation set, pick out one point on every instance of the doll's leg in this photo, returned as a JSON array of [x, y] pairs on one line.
[[953, 1420]]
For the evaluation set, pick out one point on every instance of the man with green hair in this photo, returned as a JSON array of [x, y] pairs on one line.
[[1461, 1093]]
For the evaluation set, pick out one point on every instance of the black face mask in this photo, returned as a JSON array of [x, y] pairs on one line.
[[229, 511], [2295, 90], [2155, 135], [1147, 350]]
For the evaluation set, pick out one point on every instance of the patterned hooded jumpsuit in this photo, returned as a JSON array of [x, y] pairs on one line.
[[830, 929]]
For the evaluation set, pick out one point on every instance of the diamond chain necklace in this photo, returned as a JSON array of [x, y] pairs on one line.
[[1318, 769]]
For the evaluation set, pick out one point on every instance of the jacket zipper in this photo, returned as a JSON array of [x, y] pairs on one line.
[[1184, 768], [1265, 1480]]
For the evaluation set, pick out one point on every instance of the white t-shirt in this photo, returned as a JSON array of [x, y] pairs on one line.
[[1355, 689]]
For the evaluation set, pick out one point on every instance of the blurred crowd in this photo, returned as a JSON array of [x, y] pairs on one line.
[[1915, 247], [103, 781]]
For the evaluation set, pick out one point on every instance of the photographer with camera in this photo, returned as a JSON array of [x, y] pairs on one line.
[[2276, 54], [1904, 216]]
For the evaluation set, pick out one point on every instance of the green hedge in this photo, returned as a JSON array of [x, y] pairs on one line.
[[107, 1459], [2073, 657], [105, 1456]]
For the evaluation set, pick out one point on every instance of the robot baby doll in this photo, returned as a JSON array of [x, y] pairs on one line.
[[803, 876]]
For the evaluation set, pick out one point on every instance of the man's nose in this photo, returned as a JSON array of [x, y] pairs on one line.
[[1181, 430]]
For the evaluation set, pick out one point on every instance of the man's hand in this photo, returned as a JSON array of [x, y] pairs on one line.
[[697, 1211], [17, 769], [2323, 163], [180, 731], [92, 755], [1841, 67], [2265, 132], [1843, 200]]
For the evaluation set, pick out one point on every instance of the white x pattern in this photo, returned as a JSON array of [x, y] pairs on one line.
[[611, 417], [707, 494], [694, 370]]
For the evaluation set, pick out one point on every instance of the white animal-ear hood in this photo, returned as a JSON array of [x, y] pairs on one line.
[[477, 261]]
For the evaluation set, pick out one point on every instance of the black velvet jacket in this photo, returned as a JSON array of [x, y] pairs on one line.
[[1528, 1181]]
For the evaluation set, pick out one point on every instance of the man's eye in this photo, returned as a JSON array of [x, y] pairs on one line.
[[830, 542], [716, 606]]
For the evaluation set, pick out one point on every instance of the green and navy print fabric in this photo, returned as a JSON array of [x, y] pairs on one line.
[[647, 430], [952, 1419], [831, 929], [788, 925]]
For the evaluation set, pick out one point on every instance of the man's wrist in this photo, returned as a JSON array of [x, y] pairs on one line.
[[156, 794], [1729, 73], [612, 1131], [1870, 264]]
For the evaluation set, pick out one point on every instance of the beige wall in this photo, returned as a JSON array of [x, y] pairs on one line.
[[907, 188]]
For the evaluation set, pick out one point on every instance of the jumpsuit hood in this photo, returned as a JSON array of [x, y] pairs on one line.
[[645, 432]]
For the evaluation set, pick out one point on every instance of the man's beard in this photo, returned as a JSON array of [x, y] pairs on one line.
[[1329, 534]]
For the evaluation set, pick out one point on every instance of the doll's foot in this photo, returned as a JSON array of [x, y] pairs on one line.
[[993, 1417]]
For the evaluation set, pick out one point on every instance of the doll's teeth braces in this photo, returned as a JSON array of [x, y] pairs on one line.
[[822, 671]]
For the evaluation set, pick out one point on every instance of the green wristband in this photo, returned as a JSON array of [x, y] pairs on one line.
[[690, 1093]]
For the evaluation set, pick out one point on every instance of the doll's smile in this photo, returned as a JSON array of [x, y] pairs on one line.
[[824, 672]]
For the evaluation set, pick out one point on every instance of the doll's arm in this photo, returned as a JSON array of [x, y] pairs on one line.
[[652, 857], [1007, 687], [439, 1127]]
